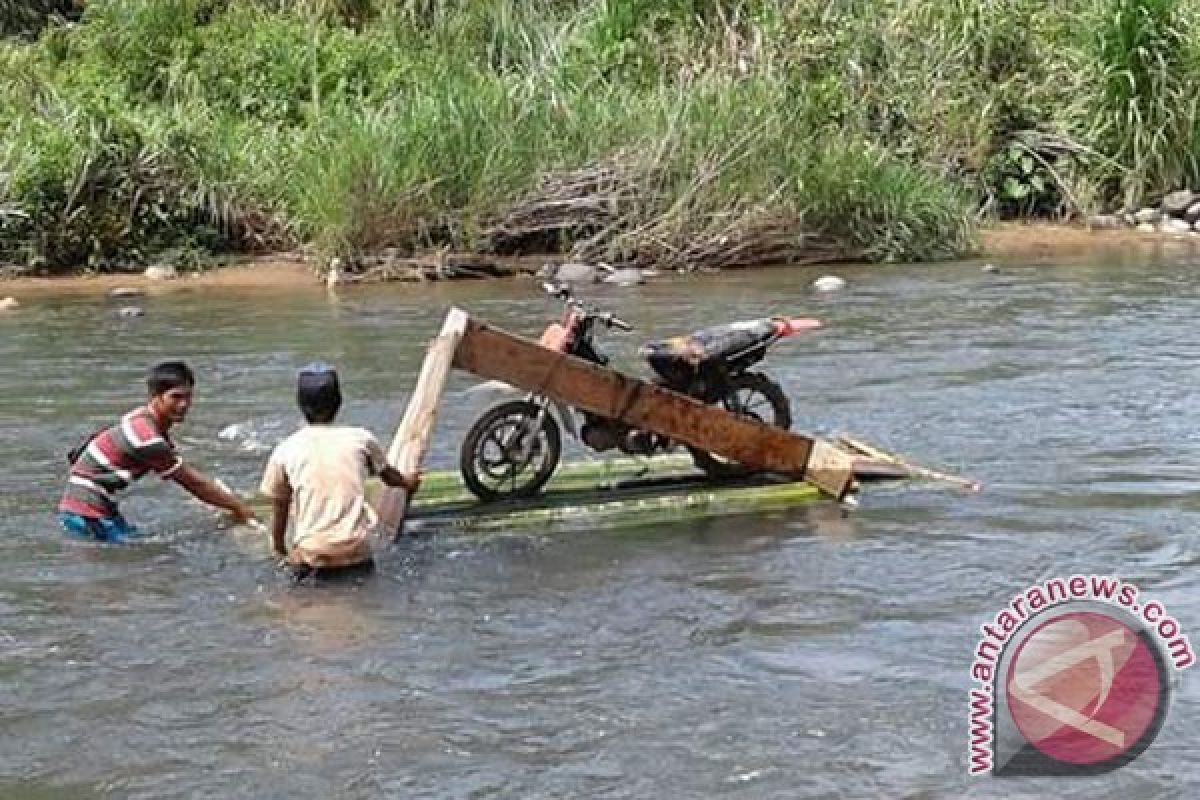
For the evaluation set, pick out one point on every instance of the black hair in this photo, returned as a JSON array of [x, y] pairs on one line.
[[318, 393], [169, 375]]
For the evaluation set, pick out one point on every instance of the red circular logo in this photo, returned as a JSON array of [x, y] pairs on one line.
[[1084, 688]]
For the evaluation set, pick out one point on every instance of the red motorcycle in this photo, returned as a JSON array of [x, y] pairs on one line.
[[513, 449]]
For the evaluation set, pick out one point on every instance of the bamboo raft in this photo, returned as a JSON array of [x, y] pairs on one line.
[[627, 492], [614, 493]]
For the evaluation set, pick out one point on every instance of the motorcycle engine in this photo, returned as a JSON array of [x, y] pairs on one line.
[[639, 443], [600, 436]]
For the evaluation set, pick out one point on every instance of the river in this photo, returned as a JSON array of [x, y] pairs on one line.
[[805, 654]]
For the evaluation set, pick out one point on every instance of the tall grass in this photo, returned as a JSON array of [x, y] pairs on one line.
[[355, 125], [1141, 100]]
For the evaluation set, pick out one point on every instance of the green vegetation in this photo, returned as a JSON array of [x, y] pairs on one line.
[[678, 131]]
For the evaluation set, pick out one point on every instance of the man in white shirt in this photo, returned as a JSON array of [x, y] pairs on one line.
[[317, 475]]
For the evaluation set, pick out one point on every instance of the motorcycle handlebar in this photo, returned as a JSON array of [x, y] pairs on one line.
[[616, 322], [563, 292]]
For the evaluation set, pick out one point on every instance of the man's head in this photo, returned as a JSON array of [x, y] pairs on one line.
[[318, 393], [170, 384]]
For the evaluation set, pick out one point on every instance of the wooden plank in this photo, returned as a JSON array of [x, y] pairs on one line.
[[913, 470], [412, 435], [490, 352]]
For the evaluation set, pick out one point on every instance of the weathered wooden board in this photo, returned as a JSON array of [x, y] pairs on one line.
[[490, 352], [903, 468], [412, 435]]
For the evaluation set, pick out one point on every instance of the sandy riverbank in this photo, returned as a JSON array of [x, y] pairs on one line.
[[1002, 242], [267, 273], [1015, 240]]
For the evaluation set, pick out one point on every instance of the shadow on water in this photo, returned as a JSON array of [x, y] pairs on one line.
[[806, 653]]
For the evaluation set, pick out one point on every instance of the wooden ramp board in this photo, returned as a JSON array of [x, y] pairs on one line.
[[489, 352]]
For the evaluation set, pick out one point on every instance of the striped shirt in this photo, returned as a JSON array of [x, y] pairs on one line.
[[114, 459]]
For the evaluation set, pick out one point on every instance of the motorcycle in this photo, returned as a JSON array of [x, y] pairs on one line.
[[513, 449]]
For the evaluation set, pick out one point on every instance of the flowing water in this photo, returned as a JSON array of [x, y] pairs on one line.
[[804, 654]]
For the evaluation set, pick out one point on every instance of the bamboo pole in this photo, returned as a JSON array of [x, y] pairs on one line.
[[412, 435]]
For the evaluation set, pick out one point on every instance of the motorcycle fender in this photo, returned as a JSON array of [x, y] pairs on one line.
[[491, 389], [495, 390]]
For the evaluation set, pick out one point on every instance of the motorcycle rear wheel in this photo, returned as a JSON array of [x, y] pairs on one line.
[[491, 461], [753, 395]]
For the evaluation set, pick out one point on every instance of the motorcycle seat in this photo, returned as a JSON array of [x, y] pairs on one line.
[[668, 356]]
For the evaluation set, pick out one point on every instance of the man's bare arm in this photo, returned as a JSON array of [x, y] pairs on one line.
[[206, 490], [280, 507]]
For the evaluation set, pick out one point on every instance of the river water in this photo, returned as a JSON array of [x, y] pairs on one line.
[[803, 654]]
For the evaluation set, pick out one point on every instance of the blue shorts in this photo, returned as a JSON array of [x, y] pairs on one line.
[[97, 529]]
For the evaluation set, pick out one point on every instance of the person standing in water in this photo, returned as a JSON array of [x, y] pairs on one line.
[[113, 458], [317, 476]]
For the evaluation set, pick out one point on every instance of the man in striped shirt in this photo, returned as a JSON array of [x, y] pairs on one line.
[[117, 456]]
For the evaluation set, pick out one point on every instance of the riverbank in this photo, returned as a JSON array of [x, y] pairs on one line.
[[273, 273], [1005, 242]]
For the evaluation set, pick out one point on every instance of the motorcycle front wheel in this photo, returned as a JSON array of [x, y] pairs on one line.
[[753, 395], [508, 453]]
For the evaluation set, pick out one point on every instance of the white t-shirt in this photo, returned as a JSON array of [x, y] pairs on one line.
[[326, 467]]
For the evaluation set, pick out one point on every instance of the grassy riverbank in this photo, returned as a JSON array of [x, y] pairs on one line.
[[689, 132]]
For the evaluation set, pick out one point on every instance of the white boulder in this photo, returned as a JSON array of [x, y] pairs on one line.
[[160, 273], [1176, 203], [829, 283]]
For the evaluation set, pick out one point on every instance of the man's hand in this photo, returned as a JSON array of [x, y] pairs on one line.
[[244, 515], [398, 480]]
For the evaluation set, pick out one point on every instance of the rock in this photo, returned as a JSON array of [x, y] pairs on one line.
[[1151, 215], [1105, 222], [1175, 226], [333, 277], [625, 277], [9, 304], [160, 273], [1146, 227], [130, 311], [1176, 203], [125, 291], [1193, 212], [1129, 220], [829, 283], [573, 272]]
